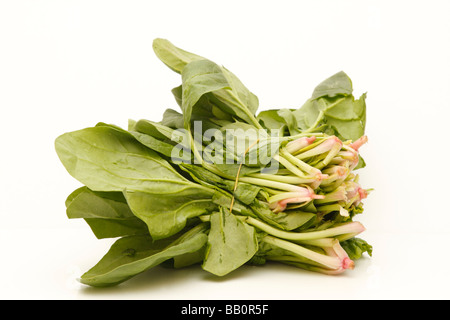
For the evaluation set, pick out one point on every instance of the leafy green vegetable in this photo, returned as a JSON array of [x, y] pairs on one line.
[[231, 243], [336, 85], [107, 159], [220, 185], [333, 106], [165, 212], [107, 213], [355, 247], [130, 256], [227, 92], [173, 57]]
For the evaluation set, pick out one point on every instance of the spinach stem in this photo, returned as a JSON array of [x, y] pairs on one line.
[[299, 163], [282, 178], [350, 227], [283, 196], [303, 134], [328, 261], [288, 165], [271, 184]]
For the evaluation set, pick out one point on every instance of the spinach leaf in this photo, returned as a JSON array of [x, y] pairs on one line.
[[172, 119], [244, 192], [224, 89], [231, 243], [177, 93], [172, 56], [290, 120], [333, 106], [107, 213], [271, 120], [166, 210], [337, 84], [170, 143], [130, 256], [295, 219], [108, 159], [355, 247]]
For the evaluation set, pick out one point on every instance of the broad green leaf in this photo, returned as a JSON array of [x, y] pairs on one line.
[[166, 210], [155, 136], [307, 115], [244, 192], [224, 200], [337, 84], [293, 219], [162, 147], [346, 130], [231, 243], [271, 120], [347, 108], [224, 89], [290, 120], [154, 129], [263, 212], [172, 119], [333, 107], [189, 259], [178, 95], [107, 213], [172, 56], [107, 159], [361, 163], [130, 256]]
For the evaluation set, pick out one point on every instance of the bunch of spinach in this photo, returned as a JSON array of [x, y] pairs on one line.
[[179, 192]]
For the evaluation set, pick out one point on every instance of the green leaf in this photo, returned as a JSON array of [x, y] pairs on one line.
[[130, 256], [107, 159], [244, 192], [224, 89], [168, 207], [337, 84], [231, 243], [294, 219], [307, 115], [346, 108], [355, 247], [172, 56], [107, 213], [157, 130], [189, 259], [346, 130], [290, 120], [271, 120], [361, 163], [224, 200], [170, 143], [178, 95], [286, 220], [172, 119], [333, 107]]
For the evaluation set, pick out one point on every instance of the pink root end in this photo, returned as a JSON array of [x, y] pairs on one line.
[[347, 263], [362, 193], [310, 139], [277, 207], [358, 143]]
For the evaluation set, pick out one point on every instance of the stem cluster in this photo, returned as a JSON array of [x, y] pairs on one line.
[[315, 175]]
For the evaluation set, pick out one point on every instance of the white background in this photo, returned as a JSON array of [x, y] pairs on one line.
[[66, 65]]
